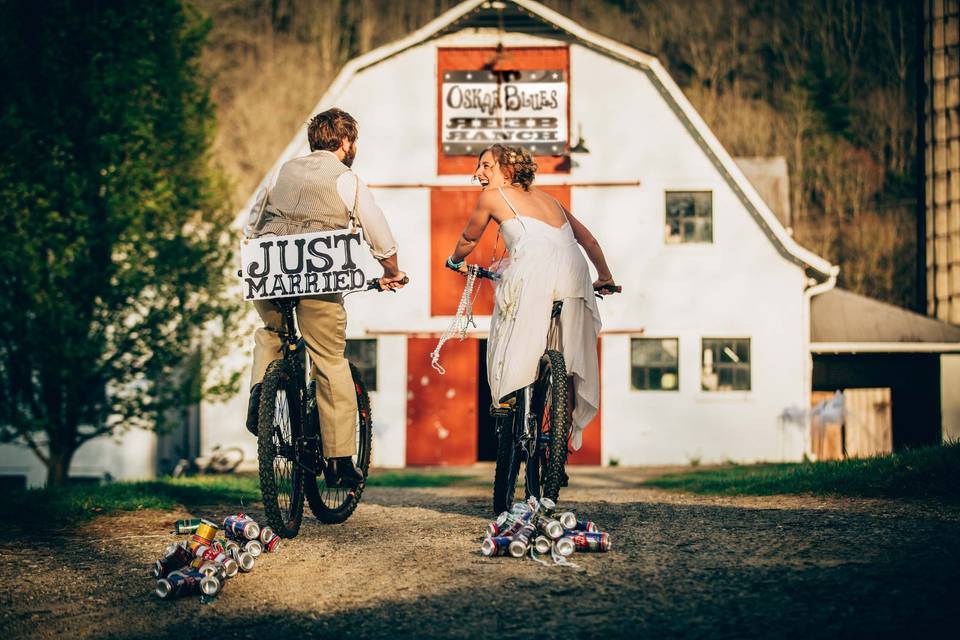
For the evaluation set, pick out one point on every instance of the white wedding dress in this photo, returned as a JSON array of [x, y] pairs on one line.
[[545, 264]]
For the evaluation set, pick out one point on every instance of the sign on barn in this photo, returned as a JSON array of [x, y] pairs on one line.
[[518, 107]]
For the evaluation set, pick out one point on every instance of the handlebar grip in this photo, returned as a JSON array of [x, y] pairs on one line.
[[611, 288]]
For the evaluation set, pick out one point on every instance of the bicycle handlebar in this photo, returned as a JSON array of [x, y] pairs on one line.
[[374, 284], [480, 272]]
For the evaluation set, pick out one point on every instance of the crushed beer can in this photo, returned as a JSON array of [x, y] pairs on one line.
[[241, 527], [184, 583], [521, 540], [495, 546], [586, 525], [205, 534], [568, 519], [590, 540], [244, 560], [564, 547], [253, 547], [272, 544], [552, 528], [266, 534], [211, 554], [542, 544], [176, 557], [187, 525]]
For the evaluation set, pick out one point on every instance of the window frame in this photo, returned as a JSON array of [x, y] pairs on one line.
[[727, 366], [666, 219], [646, 368]]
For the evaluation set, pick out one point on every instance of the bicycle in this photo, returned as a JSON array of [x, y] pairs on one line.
[[533, 423], [289, 443]]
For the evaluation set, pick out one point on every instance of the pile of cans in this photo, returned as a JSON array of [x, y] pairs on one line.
[[201, 564], [537, 528]]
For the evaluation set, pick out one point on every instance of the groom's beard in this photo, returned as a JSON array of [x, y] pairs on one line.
[[350, 155]]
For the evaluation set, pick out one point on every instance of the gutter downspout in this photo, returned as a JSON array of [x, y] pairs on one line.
[[808, 294]]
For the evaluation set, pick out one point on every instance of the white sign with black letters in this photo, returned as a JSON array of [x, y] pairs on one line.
[[301, 265], [524, 108]]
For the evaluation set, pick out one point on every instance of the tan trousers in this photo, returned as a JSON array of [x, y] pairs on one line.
[[323, 324]]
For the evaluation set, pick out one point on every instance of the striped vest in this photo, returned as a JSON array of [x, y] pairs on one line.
[[305, 197]]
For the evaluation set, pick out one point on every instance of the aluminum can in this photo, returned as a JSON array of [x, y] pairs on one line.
[[241, 527], [549, 526], [591, 541], [521, 540], [272, 544], [188, 525], [519, 508], [495, 546], [547, 505], [564, 547], [266, 533], [211, 554], [207, 568], [245, 561], [568, 519], [542, 544], [185, 583], [503, 521], [517, 524], [176, 558], [586, 525], [205, 534], [253, 547]]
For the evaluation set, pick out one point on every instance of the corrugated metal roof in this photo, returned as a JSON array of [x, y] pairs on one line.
[[840, 316]]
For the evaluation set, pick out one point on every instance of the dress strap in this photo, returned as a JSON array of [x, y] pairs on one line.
[[562, 210], [512, 208]]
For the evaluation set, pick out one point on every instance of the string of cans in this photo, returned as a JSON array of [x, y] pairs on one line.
[[201, 564], [537, 528]]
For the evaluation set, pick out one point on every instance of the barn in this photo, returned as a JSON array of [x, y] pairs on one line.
[[708, 344]]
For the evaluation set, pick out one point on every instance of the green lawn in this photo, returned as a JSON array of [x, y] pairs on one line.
[[76, 503], [930, 472]]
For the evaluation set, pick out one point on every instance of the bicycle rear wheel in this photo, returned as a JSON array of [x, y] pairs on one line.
[[279, 431], [511, 467], [550, 405], [333, 505]]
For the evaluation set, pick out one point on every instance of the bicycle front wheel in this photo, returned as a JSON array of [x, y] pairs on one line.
[[279, 432], [333, 505]]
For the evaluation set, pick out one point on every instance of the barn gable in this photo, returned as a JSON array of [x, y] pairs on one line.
[[528, 17]]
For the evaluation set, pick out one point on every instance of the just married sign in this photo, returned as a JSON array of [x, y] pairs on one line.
[[301, 265]]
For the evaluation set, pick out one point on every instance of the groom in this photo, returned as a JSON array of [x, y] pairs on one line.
[[319, 192]]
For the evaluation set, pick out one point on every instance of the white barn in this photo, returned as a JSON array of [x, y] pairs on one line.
[[707, 268], [701, 355]]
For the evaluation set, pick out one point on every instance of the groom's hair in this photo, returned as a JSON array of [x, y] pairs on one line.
[[326, 130]]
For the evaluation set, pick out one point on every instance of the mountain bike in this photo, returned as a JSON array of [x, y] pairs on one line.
[[533, 423], [289, 442]]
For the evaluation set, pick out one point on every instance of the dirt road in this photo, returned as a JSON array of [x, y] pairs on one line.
[[407, 565]]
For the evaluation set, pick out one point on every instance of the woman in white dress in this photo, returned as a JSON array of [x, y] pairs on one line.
[[545, 265]]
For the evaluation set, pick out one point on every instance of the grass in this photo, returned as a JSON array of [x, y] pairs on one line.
[[929, 472], [74, 504]]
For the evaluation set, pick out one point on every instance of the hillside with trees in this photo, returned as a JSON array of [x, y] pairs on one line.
[[828, 84]]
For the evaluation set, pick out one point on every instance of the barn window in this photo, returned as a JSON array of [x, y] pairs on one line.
[[363, 354], [654, 364], [689, 216], [726, 364]]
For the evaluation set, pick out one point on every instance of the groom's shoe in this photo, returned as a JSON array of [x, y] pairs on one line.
[[253, 408], [342, 472]]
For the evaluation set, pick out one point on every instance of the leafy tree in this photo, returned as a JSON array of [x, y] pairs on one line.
[[116, 244]]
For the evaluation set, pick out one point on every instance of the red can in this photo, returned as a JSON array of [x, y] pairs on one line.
[[177, 558], [590, 540]]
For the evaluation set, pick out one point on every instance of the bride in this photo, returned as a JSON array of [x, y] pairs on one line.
[[545, 265]]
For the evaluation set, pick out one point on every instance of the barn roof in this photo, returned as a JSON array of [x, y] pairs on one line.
[[528, 16], [844, 322]]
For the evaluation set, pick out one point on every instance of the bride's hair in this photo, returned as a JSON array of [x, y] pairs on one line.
[[516, 161]]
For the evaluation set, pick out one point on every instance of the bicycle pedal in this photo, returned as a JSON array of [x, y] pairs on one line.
[[503, 410]]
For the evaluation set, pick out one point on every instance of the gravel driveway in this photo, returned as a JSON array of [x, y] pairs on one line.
[[407, 565]]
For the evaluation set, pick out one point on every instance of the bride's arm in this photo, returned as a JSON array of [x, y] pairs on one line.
[[593, 250], [476, 225]]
